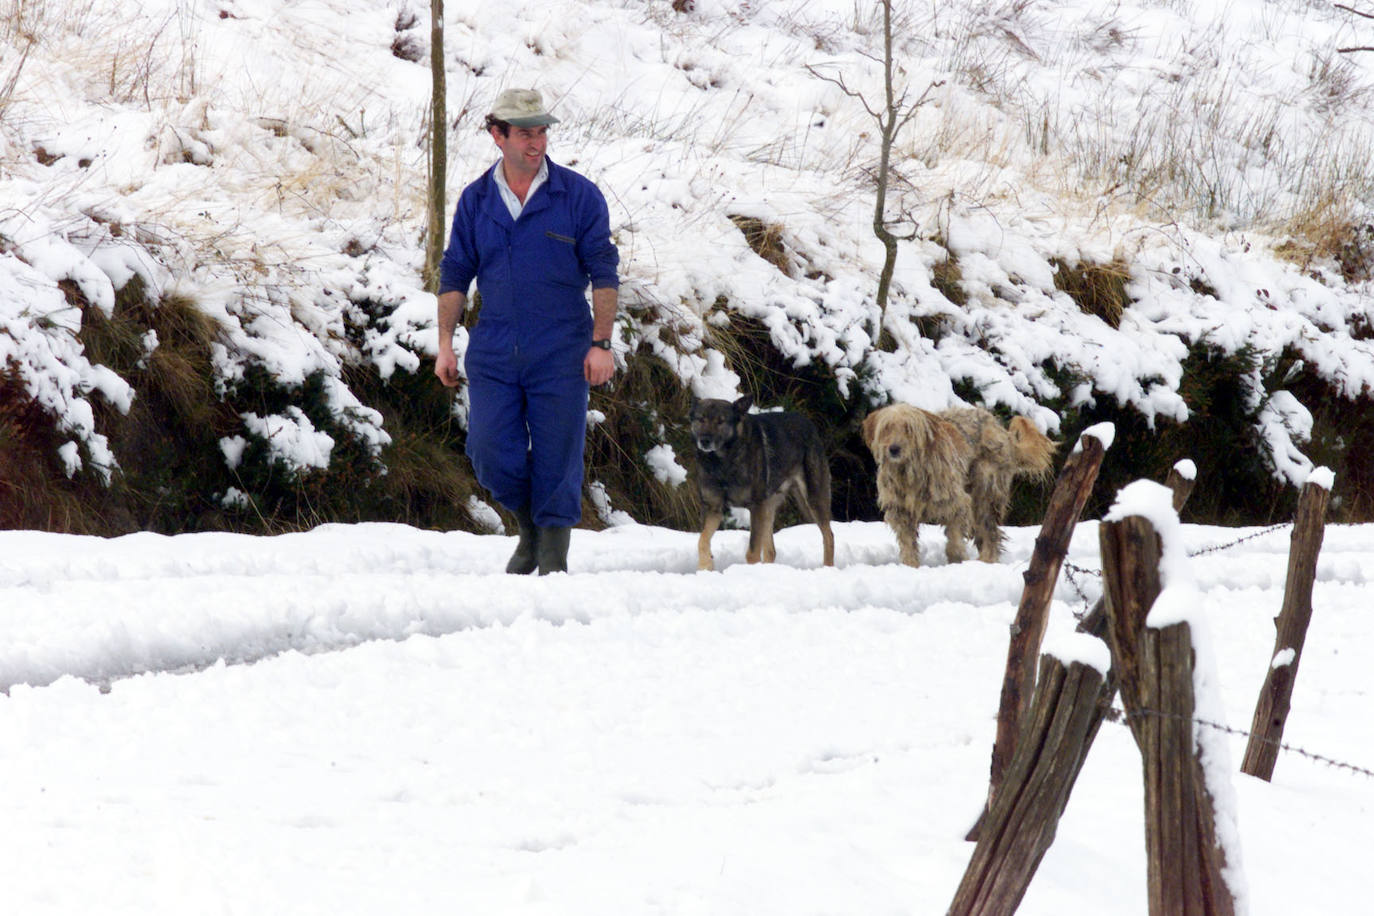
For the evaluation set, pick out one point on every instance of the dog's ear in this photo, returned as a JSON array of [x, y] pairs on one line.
[[743, 403]]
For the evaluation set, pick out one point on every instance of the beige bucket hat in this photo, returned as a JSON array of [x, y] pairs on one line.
[[522, 108]]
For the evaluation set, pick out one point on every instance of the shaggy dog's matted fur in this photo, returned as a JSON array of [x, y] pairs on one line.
[[953, 468]]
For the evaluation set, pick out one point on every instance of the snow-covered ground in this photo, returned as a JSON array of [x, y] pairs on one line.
[[374, 719], [266, 159]]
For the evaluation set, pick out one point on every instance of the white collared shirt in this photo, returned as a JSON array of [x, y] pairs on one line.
[[513, 203]]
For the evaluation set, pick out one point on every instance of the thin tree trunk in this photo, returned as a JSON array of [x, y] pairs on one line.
[[438, 150], [887, 123]]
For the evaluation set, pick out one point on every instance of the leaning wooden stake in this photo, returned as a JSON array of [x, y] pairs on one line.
[[1184, 859], [1028, 628], [1019, 827], [1271, 712]]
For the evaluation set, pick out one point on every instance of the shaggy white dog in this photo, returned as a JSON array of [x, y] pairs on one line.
[[953, 468]]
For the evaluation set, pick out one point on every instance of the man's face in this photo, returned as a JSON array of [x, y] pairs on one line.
[[523, 150]]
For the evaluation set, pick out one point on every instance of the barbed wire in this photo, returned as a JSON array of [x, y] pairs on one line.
[[1072, 571], [1121, 717], [1217, 548], [1073, 568]]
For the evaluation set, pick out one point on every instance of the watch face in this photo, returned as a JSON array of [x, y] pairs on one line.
[[603, 344]]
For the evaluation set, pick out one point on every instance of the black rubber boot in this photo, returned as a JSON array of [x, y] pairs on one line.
[[525, 559], [552, 550]]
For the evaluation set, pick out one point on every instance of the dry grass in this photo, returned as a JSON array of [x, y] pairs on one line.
[[428, 482], [172, 473], [35, 492], [1189, 150], [1098, 289], [646, 406], [946, 277], [766, 240], [167, 444], [745, 345], [1187, 153], [10, 79], [1329, 232]]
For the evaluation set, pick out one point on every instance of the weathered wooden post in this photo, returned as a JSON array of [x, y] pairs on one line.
[[1271, 712], [1072, 697], [1154, 664], [1020, 823], [1181, 480], [1028, 628]]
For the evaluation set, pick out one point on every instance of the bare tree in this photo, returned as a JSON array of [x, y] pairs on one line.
[[1355, 12], [438, 150], [1351, 9], [894, 114]]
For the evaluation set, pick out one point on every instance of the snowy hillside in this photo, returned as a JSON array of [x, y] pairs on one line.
[[265, 161]]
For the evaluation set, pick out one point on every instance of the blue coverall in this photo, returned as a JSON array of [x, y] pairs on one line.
[[527, 420]]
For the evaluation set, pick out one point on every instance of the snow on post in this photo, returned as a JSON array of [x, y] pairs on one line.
[[1162, 650]]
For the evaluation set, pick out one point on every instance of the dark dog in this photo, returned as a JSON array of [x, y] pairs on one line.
[[754, 461]]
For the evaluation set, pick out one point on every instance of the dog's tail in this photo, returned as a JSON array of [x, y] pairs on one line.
[[1033, 449]]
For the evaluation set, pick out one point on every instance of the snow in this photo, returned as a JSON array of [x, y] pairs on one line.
[[372, 718], [1102, 432], [663, 461], [292, 439], [1322, 477], [265, 159]]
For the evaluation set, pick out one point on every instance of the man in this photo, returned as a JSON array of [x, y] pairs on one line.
[[533, 234]]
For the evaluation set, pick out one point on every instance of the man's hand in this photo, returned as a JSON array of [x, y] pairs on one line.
[[450, 309], [446, 367], [598, 366]]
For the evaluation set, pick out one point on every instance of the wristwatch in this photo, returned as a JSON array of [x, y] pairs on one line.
[[604, 343]]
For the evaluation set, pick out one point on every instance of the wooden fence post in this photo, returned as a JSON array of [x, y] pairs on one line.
[[1181, 480], [1131, 550], [1018, 827], [1070, 494], [1020, 823], [1154, 667], [1271, 711]]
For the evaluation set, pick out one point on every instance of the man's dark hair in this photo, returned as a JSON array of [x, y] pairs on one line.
[[503, 127]]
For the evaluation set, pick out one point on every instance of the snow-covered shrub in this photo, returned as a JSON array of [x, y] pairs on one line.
[[260, 171]]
